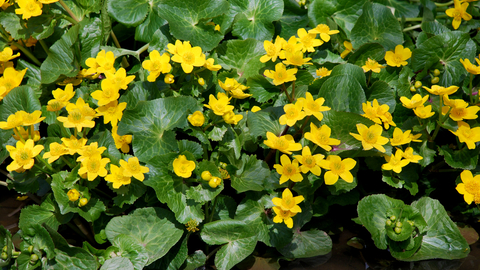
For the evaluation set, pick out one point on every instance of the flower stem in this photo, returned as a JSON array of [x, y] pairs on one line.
[[277, 157], [2, 183], [27, 53], [44, 46], [286, 93], [69, 11], [213, 209], [471, 88], [444, 4], [412, 28], [125, 63], [68, 162], [142, 49]]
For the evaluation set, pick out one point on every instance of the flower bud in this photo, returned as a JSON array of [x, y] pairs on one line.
[[413, 89], [398, 230], [30, 249], [33, 258], [392, 218], [418, 84], [399, 224], [4, 256], [196, 119], [82, 202], [169, 79], [206, 175], [73, 195], [201, 81], [436, 72], [215, 182], [435, 80], [388, 222]]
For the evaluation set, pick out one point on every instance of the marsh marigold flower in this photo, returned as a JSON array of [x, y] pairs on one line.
[[94, 166], [284, 144], [188, 57], [321, 136], [290, 46], [196, 119], [76, 119], [283, 216], [288, 170], [273, 49], [440, 90], [117, 177], [471, 68], [13, 121], [324, 32], [132, 168], [400, 137], [73, 195], [157, 64], [348, 49], [395, 162], [169, 79], [119, 78], [109, 93], [296, 59], [112, 112], [288, 202], [90, 151], [56, 150], [459, 110], [310, 163], [28, 8], [467, 135], [102, 63], [121, 142], [219, 105], [11, 78], [372, 65], [415, 101], [323, 72], [458, 13], [23, 155], [30, 119], [232, 118], [7, 55], [398, 57], [183, 167], [470, 187], [308, 40], [210, 65], [313, 107], [337, 168], [73, 144], [281, 74], [371, 137], [424, 111], [293, 113], [410, 156]]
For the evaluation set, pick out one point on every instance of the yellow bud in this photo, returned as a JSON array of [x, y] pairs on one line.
[[201, 81], [418, 84], [256, 109], [83, 202], [215, 182], [206, 175], [196, 119], [435, 80], [73, 195], [169, 79]]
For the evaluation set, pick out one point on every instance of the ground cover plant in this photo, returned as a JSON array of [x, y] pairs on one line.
[[182, 134]]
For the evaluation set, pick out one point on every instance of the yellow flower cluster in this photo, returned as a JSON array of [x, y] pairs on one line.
[[220, 106], [11, 78], [286, 207], [470, 187]]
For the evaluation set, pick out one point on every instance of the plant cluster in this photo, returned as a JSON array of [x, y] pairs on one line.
[[211, 129]]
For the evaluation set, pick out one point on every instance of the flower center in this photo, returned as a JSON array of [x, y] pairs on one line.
[[313, 106], [370, 137], [289, 170], [189, 58], [472, 187], [309, 161], [337, 167], [25, 155]]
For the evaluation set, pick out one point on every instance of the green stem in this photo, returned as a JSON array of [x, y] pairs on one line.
[[277, 157], [6, 174], [213, 209], [27, 53], [17, 132], [213, 252], [44, 46], [142, 49], [125, 63], [206, 210], [286, 93], [444, 4], [41, 169], [39, 158], [418, 19], [68, 162], [369, 77], [293, 91], [69, 19], [69, 11], [412, 28], [471, 89]]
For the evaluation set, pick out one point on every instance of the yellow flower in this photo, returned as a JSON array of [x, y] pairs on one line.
[[13, 121], [219, 106], [348, 49], [209, 64], [471, 68], [23, 155], [117, 177], [4, 65], [296, 59], [73, 195], [73, 144], [109, 93], [313, 107], [76, 119], [30, 119], [239, 94], [283, 216], [169, 79], [321, 136], [371, 137], [7, 55], [415, 102], [217, 27], [307, 40], [215, 181], [372, 109], [395, 162], [47, 1], [232, 118], [467, 135], [188, 57], [323, 72], [132, 168], [458, 13], [408, 155], [399, 57], [372, 65], [56, 150], [459, 110], [324, 32], [64, 95], [440, 90], [337, 168], [192, 226], [90, 151], [293, 113], [196, 119], [183, 167], [119, 78], [281, 74], [102, 63], [470, 187], [121, 142], [112, 112], [157, 65], [288, 202], [256, 109], [288, 170], [273, 49], [291, 46], [83, 202], [285, 144], [309, 163], [400, 137], [424, 111], [26, 134], [94, 166], [415, 137], [11, 79], [231, 85], [28, 8]]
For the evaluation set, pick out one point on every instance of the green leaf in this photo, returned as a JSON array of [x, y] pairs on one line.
[[372, 211], [216, 134], [130, 248], [158, 41], [36, 214], [447, 48], [442, 239], [174, 258], [147, 29], [252, 211], [187, 20], [343, 93], [153, 228], [242, 55], [204, 193], [90, 37], [374, 51], [132, 192], [61, 60], [307, 244], [377, 24], [352, 70], [460, 159], [326, 56], [106, 140], [171, 190], [21, 98], [151, 123], [117, 263], [261, 89], [40, 239], [237, 238], [344, 12], [129, 12], [32, 75], [254, 18], [264, 121], [293, 18], [41, 27], [383, 93], [225, 208], [13, 25], [402, 8], [195, 260], [251, 175], [427, 154]]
